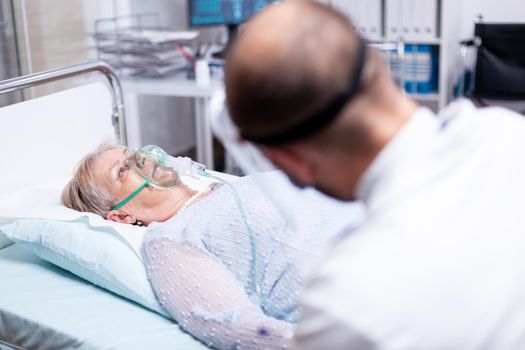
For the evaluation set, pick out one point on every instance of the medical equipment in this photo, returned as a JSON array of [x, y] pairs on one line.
[[162, 171], [260, 295], [231, 13], [159, 170]]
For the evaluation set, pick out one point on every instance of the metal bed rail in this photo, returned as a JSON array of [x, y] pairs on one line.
[[31, 80]]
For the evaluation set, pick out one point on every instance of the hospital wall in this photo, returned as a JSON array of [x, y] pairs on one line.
[[55, 33], [492, 11]]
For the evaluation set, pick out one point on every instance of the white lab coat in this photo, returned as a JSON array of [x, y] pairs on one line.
[[439, 263]]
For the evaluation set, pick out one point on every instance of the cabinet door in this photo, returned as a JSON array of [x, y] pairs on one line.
[[411, 20], [365, 15], [393, 19]]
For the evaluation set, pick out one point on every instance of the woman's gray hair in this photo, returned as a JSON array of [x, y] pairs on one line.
[[83, 193]]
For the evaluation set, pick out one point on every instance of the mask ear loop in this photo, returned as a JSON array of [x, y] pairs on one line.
[[131, 196]]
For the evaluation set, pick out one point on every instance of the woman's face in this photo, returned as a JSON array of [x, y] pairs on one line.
[[119, 182]]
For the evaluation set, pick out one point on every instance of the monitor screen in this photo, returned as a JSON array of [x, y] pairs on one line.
[[229, 12]]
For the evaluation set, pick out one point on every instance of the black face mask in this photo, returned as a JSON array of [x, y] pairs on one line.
[[322, 118]]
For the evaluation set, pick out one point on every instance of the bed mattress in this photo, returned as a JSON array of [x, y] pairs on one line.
[[45, 307]]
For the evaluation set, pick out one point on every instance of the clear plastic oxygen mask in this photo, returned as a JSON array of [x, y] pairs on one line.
[[163, 171], [159, 170]]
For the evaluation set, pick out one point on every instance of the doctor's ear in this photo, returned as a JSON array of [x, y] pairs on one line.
[[120, 216], [293, 162]]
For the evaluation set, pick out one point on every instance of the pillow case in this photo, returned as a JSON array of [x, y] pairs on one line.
[[102, 252], [4, 241], [43, 201], [95, 253]]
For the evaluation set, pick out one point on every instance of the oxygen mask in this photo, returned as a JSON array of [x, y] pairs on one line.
[[149, 163], [159, 170]]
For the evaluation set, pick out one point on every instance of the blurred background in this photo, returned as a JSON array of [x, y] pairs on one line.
[[37, 35]]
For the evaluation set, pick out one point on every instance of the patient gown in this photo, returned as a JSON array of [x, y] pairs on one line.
[[199, 262]]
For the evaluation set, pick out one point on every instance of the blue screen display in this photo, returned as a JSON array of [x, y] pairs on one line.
[[214, 12]]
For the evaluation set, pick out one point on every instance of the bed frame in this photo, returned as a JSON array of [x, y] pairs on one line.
[[41, 140], [32, 80], [69, 123]]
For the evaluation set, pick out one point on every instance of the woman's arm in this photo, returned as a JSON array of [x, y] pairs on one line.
[[207, 300]]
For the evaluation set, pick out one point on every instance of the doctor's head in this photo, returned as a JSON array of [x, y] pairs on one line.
[[319, 101]]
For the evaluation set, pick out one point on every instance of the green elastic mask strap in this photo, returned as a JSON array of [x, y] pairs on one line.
[[130, 197]]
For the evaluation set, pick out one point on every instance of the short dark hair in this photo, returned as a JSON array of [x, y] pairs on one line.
[[313, 67]]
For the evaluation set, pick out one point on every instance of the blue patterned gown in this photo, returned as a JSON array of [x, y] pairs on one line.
[[200, 261]]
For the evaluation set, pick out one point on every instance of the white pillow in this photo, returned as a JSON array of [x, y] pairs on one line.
[[100, 251], [43, 201], [4, 241]]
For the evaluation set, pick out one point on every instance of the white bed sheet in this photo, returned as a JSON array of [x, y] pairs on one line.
[[45, 307]]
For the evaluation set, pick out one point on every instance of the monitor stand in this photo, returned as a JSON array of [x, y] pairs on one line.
[[232, 34]]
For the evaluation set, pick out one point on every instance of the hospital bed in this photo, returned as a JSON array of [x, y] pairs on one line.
[[41, 305]]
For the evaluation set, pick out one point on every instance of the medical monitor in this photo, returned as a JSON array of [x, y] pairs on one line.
[[223, 12], [231, 13]]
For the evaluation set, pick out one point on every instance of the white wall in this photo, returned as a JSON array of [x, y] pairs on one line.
[[492, 11]]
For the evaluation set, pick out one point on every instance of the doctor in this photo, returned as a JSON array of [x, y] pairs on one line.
[[440, 261]]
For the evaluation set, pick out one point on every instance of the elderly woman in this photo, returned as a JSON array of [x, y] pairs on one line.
[[222, 262]]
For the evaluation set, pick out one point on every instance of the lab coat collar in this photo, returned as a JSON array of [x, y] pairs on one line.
[[408, 142]]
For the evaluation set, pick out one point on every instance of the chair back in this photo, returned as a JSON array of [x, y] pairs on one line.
[[500, 61]]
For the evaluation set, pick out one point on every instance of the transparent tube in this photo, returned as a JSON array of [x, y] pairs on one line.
[[263, 298]]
